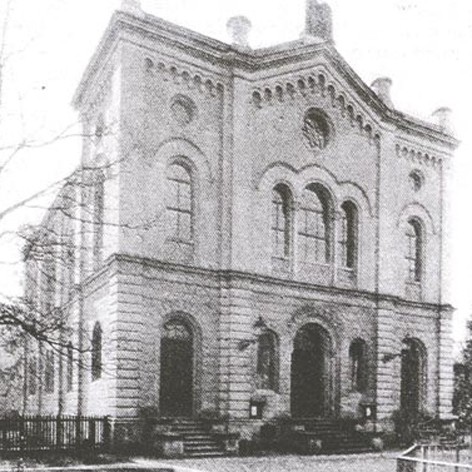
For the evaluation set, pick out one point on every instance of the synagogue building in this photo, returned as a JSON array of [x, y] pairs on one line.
[[252, 233]]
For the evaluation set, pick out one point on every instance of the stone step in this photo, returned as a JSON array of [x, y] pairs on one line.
[[206, 454]]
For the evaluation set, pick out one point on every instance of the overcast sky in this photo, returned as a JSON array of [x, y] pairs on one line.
[[425, 46]]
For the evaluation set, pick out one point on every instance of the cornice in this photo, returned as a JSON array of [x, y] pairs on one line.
[[231, 275], [230, 59]]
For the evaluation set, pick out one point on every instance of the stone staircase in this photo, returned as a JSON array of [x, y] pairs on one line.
[[336, 436], [198, 441]]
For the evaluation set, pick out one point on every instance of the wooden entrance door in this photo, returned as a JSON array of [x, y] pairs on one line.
[[176, 380], [412, 377], [310, 373]]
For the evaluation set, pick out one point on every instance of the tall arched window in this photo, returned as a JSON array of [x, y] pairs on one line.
[[70, 367], [97, 351], [358, 363], [179, 203], [49, 274], [98, 217], [49, 372], [32, 376], [281, 222], [349, 235], [267, 361], [414, 255], [315, 226]]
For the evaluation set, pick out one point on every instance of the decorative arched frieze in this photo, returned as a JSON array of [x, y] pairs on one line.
[[405, 151], [210, 86], [316, 83], [419, 211]]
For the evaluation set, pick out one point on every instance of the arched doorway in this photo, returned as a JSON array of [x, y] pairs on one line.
[[177, 361], [413, 378], [310, 375]]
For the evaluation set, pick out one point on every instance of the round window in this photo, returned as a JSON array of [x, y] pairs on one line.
[[316, 129]]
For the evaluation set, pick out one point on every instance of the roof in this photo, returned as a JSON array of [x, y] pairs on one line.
[[220, 53]]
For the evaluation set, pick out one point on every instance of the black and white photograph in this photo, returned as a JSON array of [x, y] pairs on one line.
[[235, 235]]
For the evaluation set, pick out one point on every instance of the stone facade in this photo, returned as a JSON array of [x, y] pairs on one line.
[[250, 127]]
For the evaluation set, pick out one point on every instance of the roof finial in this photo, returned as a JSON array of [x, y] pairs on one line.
[[318, 21], [442, 118], [132, 6], [239, 28]]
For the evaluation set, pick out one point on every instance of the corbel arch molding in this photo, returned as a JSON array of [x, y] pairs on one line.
[[419, 211], [178, 148]]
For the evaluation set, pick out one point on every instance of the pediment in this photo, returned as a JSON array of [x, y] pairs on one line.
[[298, 71]]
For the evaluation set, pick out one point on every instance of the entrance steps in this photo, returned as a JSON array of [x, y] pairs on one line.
[[335, 436], [197, 439]]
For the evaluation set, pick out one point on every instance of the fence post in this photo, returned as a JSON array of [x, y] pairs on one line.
[[58, 432], [77, 432], [106, 432]]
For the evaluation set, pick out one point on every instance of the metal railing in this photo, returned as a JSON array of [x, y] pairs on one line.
[[40, 433], [435, 458]]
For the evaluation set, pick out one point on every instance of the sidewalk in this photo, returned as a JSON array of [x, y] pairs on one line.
[[384, 462]]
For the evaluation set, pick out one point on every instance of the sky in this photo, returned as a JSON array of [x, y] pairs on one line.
[[424, 46]]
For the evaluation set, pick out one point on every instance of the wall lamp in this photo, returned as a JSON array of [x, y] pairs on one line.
[[389, 356], [259, 326]]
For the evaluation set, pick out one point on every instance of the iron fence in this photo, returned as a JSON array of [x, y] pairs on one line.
[[435, 458], [60, 433]]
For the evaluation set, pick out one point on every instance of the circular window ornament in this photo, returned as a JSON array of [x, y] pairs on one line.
[[416, 180], [316, 129], [183, 109]]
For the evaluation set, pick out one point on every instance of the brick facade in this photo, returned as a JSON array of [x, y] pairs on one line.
[[156, 95]]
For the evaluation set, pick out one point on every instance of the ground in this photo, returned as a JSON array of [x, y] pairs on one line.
[[378, 462], [351, 463]]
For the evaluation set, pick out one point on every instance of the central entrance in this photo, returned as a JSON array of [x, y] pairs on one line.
[[176, 380], [310, 376]]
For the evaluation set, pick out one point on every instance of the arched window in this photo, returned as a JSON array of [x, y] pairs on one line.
[[281, 222], [49, 372], [349, 235], [414, 255], [97, 352], [98, 216], [49, 274], [70, 367], [315, 226], [32, 376], [358, 363], [179, 203], [267, 361]]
